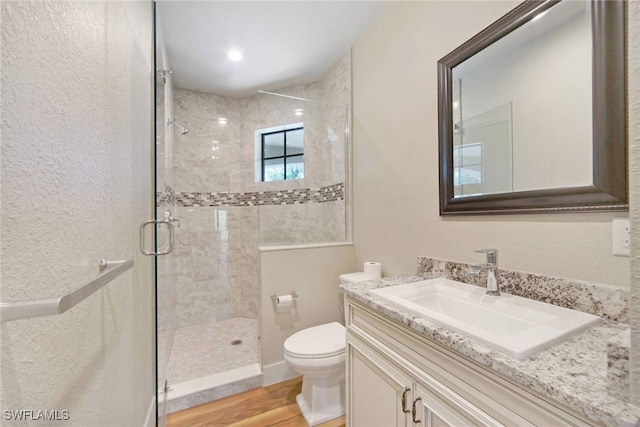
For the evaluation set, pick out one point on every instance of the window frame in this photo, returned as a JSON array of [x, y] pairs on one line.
[[459, 156], [285, 156]]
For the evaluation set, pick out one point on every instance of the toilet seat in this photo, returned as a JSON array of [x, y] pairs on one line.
[[322, 341]]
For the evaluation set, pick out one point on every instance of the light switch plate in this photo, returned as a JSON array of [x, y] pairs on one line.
[[621, 237]]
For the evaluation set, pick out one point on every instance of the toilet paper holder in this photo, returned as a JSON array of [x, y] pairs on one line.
[[293, 294]]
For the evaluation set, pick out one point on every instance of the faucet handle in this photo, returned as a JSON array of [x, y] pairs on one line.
[[492, 255], [475, 269]]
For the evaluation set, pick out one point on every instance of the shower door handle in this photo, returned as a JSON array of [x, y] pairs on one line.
[[143, 227]]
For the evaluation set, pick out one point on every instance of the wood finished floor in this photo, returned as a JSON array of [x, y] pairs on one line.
[[274, 405]]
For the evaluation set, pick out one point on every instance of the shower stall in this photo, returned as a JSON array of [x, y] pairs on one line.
[[226, 201]]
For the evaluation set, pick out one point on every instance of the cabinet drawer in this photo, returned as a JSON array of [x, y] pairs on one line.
[[502, 399]]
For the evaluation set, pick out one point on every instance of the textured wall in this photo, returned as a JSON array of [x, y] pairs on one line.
[[634, 189], [76, 174], [396, 160]]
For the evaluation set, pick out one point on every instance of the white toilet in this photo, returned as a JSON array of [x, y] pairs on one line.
[[318, 354]]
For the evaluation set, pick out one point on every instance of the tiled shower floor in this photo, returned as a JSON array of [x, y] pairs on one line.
[[206, 349]]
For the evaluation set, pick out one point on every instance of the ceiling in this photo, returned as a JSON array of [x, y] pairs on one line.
[[284, 43]]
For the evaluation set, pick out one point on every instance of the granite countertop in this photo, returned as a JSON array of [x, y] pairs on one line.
[[573, 373]]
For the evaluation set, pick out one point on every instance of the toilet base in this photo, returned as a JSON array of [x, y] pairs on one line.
[[321, 400]]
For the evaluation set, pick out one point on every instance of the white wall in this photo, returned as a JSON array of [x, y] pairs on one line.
[[395, 163], [76, 180], [313, 273]]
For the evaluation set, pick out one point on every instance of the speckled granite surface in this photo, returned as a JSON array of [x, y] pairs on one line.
[[605, 301], [573, 373], [618, 350]]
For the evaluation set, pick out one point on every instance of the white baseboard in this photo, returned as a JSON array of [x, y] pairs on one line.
[[277, 372], [150, 421]]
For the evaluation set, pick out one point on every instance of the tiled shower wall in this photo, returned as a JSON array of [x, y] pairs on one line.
[[225, 215], [166, 271]]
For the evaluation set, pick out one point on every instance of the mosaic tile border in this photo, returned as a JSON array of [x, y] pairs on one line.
[[602, 300], [169, 195], [299, 196]]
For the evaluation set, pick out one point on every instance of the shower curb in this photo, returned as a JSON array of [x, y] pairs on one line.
[[214, 393]]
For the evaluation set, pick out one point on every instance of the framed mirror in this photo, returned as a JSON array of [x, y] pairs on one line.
[[532, 112]]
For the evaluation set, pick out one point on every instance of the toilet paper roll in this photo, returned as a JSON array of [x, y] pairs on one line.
[[372, 270], [284, 303]]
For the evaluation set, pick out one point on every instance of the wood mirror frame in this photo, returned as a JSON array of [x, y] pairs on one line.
[[609, 189]]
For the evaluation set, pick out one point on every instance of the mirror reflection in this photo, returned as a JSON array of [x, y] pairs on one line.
[[532, 112], [522, 108]]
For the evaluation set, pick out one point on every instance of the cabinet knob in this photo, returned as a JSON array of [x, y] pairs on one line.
[[404, 400], [414, 410]]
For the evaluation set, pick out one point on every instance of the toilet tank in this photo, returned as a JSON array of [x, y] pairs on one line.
[[353, 277]]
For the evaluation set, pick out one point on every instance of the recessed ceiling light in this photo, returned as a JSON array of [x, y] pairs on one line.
[[298, 111], [222, 120], [234, 55]]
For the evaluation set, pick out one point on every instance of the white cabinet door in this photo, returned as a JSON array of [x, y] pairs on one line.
[[375, 390], [437, 406], [384, 358]]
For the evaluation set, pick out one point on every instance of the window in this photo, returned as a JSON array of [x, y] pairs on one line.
[[281, 153], [467, 164]]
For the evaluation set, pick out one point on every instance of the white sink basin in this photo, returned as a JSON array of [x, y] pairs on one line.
[[513, 325]]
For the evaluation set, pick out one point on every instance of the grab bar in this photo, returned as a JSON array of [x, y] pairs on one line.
[[47, 307]]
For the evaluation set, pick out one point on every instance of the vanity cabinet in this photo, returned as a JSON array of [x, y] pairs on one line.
[[384, 393], [395, 377]]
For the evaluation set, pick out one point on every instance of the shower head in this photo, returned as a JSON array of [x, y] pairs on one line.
[[183, 130]]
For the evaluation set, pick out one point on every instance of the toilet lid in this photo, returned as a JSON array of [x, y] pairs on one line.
[[318, 341]]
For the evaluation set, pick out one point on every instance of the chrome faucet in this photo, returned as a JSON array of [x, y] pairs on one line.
[[491, 266]]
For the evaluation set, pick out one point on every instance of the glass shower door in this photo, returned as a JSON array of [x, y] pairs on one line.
[[166, 209]]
